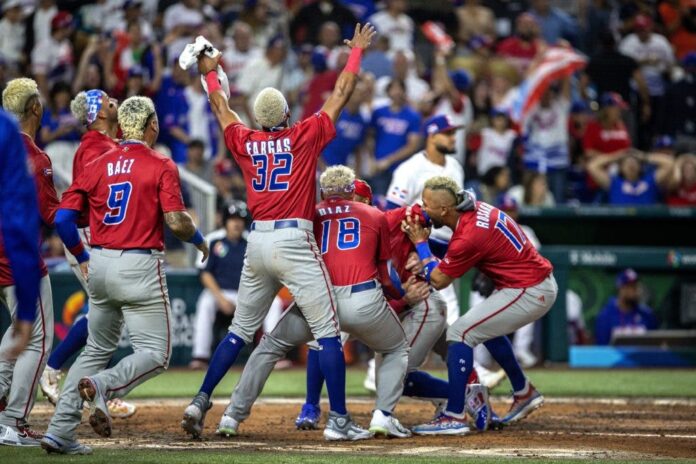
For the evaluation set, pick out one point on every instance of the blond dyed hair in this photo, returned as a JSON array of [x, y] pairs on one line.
[[17, 95], [133, 115], [337, 179], [444, 183], [270, 108]]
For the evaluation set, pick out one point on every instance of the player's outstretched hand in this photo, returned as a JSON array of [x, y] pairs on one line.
[[203, 248], [415, 231], [362, 38], [207, 64], [21, 333]]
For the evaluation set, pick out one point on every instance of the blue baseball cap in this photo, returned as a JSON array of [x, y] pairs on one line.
[[580, 106], [612, 99], [460, 79], [498, 112], [439, 123], [625, 277], [663, 141]]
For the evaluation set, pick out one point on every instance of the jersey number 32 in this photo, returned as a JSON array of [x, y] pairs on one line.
[[272, 172]]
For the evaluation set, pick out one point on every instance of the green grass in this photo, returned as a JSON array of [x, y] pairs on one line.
[[587, 383], [36, 456]]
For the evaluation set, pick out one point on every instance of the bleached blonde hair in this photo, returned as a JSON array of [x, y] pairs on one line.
[[337, 179], [17, 94], [270, 108], [133, 115], [444, 183]]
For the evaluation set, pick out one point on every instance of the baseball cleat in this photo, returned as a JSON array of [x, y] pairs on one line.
[[523, 405], [53, 444], [478, 406], [496, 422], [443, 425], [20, 435], [99, 417], [389, 426], [120, 409], [490, 378], [342, 427], [50, 384], [309, 416], [228, 426], [194, 415]]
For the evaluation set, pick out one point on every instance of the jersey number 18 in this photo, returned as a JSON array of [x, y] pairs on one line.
[[348, 236]]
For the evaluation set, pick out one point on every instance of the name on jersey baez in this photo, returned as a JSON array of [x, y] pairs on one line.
[[122, 166]]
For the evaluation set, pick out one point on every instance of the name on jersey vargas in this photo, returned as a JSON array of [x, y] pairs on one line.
[[266, 147]]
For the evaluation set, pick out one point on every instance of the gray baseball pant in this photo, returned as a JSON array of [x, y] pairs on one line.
[[123, 286], [19, 376], [364, 315]]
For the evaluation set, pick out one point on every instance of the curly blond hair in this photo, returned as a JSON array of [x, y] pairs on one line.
[[444, 183], [270, 108], [17, 95], [133, 115], [337, 179]]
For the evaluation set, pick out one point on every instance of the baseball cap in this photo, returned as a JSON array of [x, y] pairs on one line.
[[643, 22], [498, 112], [663, 141], [9, 4], [507, 203], [689, 60], [625, 277], [60, 20], [132, 3], [580, 106], [235, 209], [460, 79], [612, 99], [439, 123], [363, 189]]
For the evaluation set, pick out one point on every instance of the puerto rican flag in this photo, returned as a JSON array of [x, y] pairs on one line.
[[556, 63]]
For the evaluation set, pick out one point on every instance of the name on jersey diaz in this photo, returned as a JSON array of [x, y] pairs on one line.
[[483, 215], [122, 166], [265, 147], [334, 210]]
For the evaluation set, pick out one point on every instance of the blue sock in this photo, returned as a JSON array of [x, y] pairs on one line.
[[460, 361], [423, 385], [501, 350], [71, 344], [333, 366], [223, 358], [315, 378]]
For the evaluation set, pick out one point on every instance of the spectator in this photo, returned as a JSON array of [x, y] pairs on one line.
[[351, 129], [266, 19], [546, 138], [580, 118], [475, 19], [362, 9], [682, 186], [521, 48], [12, 33], [52, 59], [655, 57], [394, 23], [624, 313], [58, 123], [679, 19], [680, 120], [132, 13], [533, 192], [201, 122], [404, 69], [96, 63], [239, 51], [172, 111], [38, 23], [636, 183], [494, 184], [376, 60], [396, 135], [496, 143], [595, 18], [555, 24], [180, 23], [196, 161], [308, 22], [319, 87], [607, 135]]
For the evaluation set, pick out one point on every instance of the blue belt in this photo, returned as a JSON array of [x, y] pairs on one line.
[[283, 224], [369, 285], [134, 251]]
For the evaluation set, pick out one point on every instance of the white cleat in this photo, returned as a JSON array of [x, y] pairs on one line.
[[120, 409], [490, 379], [370, 383], [50, 384], [21, 435], [342, 428], [389, 426], [228, 426]]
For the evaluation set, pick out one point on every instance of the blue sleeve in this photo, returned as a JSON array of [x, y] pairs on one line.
[[19, 219], [603, 328], [414, 124], [66, 226]]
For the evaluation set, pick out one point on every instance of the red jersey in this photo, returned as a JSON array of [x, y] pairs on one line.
[[279, 168], [606, 140], [41, 168], [92, 144], [401, 245], [353, 238], [490, 240], [685, 196], [127, 190]]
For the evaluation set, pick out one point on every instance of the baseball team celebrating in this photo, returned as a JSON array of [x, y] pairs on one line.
[[353, 270]]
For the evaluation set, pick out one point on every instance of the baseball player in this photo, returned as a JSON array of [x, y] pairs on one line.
[[354, 240], [278, 164], [19, 225], [98, 112], [130, 191], [19, 375], [487, 238]]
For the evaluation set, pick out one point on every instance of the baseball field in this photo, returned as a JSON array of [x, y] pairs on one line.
[[613, 415]]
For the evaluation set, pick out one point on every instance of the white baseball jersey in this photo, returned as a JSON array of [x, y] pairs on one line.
[[409, 178]]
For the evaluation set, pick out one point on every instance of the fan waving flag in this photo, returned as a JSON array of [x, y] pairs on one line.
[[556, 63]]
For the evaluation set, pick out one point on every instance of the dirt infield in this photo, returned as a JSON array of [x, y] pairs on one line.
[[596, 429]]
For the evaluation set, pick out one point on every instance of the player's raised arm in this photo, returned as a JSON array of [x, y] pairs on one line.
[[349, 76], [218, 99]]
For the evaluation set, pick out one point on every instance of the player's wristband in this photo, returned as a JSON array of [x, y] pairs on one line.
[[82, 257], [76, 250], [197, 238], [211, 79], [429, 261], [353, 64]]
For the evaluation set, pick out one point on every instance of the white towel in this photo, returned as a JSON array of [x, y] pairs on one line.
[[189, 57]]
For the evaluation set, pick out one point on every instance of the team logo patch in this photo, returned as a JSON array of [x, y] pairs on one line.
[[220, 249], [48, 172]]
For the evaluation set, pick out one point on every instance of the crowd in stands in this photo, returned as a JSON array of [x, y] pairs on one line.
[[622, 130]]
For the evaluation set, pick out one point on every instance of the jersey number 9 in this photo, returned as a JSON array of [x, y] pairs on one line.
[[348, 236], [119, 194], [272, 172]]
